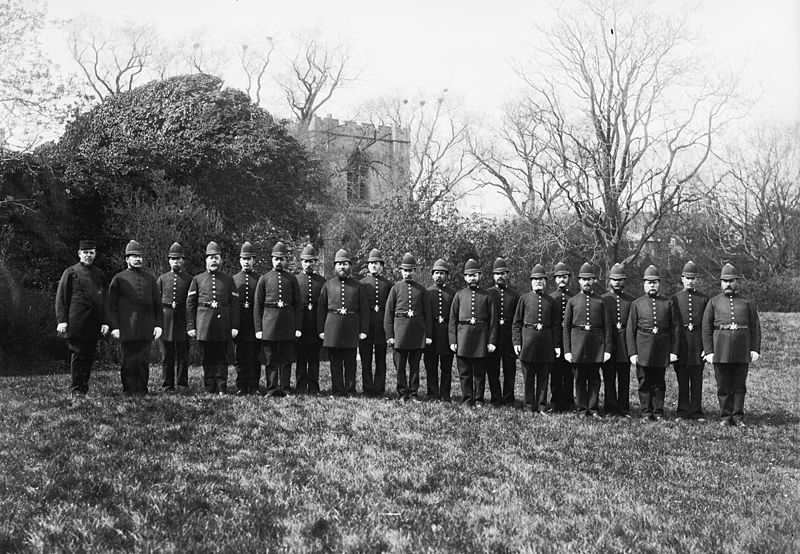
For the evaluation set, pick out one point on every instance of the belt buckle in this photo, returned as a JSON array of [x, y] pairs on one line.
[[733, 326], [538, 326], [472, 321], [655, 330], [587, 327]]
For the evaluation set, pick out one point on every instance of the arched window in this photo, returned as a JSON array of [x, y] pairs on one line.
[[357, 172]]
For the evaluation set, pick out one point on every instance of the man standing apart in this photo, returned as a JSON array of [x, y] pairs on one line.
[[308, 345], [617, 370], [213, 319], [587, 341], [505, 298], [81, 314], [136, 318], [473, 334], [731, 341], [279, 320], [562, 382], [173, 287], [248, 365], [377, 288], [343, 317], [690, 304], [407, 325], [438, 356], [653, 335], [535, 334]]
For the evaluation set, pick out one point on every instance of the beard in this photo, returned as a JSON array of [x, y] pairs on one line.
[[728, 292], [652, 293], [343, 273]]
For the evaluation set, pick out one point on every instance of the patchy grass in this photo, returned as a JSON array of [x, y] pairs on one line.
[[307, 474]]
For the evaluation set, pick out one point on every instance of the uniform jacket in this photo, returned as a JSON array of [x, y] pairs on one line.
[[439, 299], [731, 346], [587, 345], [560, 299], [473, 322], [343, 312], [310, 287], [618, 307], [246, 287], [506, 300], [212, 307], [690, 307], [173, 289], [407, 319], [377, 289], [134, 304], [653, 331], [536, 327], [278, 306], [81, 301]]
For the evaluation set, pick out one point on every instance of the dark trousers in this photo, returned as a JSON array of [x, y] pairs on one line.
[[562, 385], [439, 374], [690, 390], [307, 366], [373, 384], [174, 355], [81, 358], [731, 389], [652, 389], [407, 383], [135, 370], [343, 370], [587, 387], [472, 375], [213, 357], [248, 366], [535, 395], [617, 388], [501, 393], [278, 355]]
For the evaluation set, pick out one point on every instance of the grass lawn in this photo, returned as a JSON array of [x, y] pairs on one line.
[[308, 474]]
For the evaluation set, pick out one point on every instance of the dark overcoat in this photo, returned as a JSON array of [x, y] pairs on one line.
[[506, 300], [535, 328], [278, 306], [310, 287], [246, 282], [343, 312], [731, 329], [81, 301], [212, 306], [473, 322], [377, 288], [173, 288], [560, 299], [619, 308], [407, 319], [690, 307], [134, 305], [653, 331], [587, 345], [439, 299]]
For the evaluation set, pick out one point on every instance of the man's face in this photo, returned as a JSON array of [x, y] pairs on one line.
[[472, 279], [87, 257], [500, 279], [342, 269], [651, 287], [538, 283], [439, 277], [688, 282], [407, 274], [617, 284], [134, 261], [309, 266], [176, 264], [729, 286], [213, 261], [562, 281], [586, 283], [278, 262], [247, 262], [375, 268]]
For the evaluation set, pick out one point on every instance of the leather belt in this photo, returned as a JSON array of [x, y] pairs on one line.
[[403, 314], [470, 322], [651, 330], [591, 327], [535, 325], [731, 327], [275, 305]]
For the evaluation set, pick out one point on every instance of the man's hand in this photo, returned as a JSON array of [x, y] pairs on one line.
[[192, 333], [454, 347], [259, 334], [115, 333], [157, 333], [428, 341], [568, 357], [709, 358], [61, 329], [390, 342], [517, 349], [558, 352], [103, 329], [234, 332], [322, 336], [298, 334], [634, 359], [673, 358], [606, 356], [490, 348], [362, 336], [754, 356]]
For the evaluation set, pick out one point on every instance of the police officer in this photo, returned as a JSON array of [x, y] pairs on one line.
[[213, 315], [690, 305], [731, 341], [473, 333], [136, 318], [562, 381], [377, 288], [81, 314], [587, 341], [343, 319], [438, 357], [535, 335], [506, 299], [308, 346], [173, 287], [617, 370], [248, 364], [653, 335], [279, 321], [407, 324]]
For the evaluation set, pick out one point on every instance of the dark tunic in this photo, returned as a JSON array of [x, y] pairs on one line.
[[690, 307], [439, 299], [535, 328], [278, 306], [134, 305], [173, 289], [407, 319], [343, 312], [81, 301], [653, 331], [246, 282], [212, 306], [506, 300], [618, 307], [473, 322], [587, 329], [377, 289], [560, 300], [731, 345], [310, 287]]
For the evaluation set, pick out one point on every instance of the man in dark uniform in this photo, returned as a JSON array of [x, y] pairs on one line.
[[81, 314], [136, 318], [173, 287], [279, 321], [248, 364], [617, 370], [377, 287], [213, 319], [307, 347], [506, 299], [653, 335], [535, 334], [473, 334], [562, 382], [438, 357], [690, 304], [587, 341], [343, 319], [407, 324], [731, 341]]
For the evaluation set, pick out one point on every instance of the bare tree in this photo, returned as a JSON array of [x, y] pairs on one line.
[[255, 57]]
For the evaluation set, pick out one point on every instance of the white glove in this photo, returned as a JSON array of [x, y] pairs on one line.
[[754, 356], [568, 357], [490, 348], [298, 334], [390, 342], [103, 329], [606, 357], [157, 333], [362, 336], [454, 347], [115, 334], [322, 336], [192, 333], [517, 349], [673, 358], [234, 332], [61, 329], [709, 358], [428, 341], [558, 352], [634, 359], [259, 334]]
